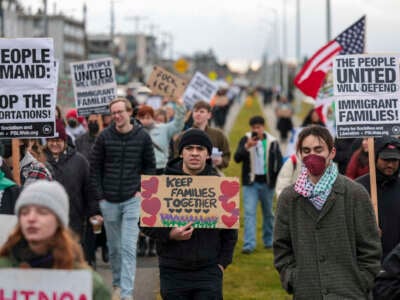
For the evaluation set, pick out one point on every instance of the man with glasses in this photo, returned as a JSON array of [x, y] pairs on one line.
[[192, 261], [122, 152]]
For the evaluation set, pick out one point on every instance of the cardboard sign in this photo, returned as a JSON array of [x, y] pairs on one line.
[[7, 224], [207, 201], [164, 83], [200, 88], [367, 93], [21, 284], [94, 85]]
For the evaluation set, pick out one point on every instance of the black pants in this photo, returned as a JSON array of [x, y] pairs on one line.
[[201, 284]]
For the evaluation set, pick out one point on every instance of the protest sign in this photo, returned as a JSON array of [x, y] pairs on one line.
[[199, 88], [7, 224], [94, 85], [154, 101], [207, 201], [366, 89], [27, 62], [65, 93], [161, 82], [27, 113], [28, 83], [45, 284]]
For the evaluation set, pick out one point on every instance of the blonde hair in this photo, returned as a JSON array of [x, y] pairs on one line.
[[128, 105]]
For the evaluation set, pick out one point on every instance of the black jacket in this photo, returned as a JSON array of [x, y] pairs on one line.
[[274, 162], [387, 283], [117, 161], [72, 171], [206, 246], [388, 190], [84, 144], [7, 201]]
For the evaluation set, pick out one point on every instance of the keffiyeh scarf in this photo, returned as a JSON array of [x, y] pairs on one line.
[[319, 192]]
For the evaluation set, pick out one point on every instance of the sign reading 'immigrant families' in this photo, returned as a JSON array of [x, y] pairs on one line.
[[28, 83], [45, 284], [366, 89], [161, 82], [200, 88], [207, 201], [94, 85]]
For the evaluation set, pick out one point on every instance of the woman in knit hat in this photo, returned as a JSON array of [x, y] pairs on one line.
[[41, 238]]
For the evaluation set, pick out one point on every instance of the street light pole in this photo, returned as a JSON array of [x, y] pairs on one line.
[[328, 20], [298, 33], [45, 19]]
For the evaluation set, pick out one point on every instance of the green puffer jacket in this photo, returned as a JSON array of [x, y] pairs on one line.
[[100, 291]]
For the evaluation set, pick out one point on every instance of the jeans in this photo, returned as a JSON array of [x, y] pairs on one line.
[[251, 194], [121, 223]]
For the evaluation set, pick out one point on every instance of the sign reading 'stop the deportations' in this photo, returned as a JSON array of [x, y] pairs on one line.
[[94, 85], [28, 83], [207, 201], [366, 89]]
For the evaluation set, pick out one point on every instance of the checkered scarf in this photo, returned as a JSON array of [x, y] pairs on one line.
[[318, 193]]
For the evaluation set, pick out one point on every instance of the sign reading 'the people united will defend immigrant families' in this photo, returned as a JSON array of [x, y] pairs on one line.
[[366, 89], [28, 83], [94, 85]]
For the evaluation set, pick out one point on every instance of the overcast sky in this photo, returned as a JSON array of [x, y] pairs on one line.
[[241, 30]]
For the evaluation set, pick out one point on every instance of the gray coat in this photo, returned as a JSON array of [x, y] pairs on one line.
[[329, 254]]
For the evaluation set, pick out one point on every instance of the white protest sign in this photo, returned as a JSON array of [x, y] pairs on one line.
[[27, 62], [366, 89], [94, 85], [27, 113], [22, 284], [199, 88], [154, 101], [7, 224]]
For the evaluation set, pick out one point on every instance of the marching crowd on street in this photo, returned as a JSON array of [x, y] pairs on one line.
[[324, 233]]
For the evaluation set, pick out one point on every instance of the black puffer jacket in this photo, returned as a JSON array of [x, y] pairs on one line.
[[206, 246], [72, 171], [7, 201], [117, 161]]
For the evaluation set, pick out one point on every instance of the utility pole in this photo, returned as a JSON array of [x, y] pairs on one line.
[[45, 19], [2, 18], [112, 26], [284, 46]]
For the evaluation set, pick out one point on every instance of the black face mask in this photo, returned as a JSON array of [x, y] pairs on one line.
[[72, 123], [93, 127]]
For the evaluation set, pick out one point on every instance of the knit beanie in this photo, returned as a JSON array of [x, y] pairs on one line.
[[60, 130], [195, 137], [49, 194]]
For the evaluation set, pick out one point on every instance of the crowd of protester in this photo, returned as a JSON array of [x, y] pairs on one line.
[[324, 235]]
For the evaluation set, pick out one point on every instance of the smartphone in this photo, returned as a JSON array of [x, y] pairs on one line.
[[254, 135]]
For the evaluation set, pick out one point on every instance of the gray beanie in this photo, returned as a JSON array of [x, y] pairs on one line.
[[50, 194]]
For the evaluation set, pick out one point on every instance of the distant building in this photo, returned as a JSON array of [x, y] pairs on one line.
[[99, 46], [68, 34]]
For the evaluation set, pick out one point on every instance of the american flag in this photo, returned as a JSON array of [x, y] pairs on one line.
[[312, 75]]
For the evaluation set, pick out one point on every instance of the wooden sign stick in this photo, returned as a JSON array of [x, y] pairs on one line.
[[15, 161], [100, 122], [372, 177]]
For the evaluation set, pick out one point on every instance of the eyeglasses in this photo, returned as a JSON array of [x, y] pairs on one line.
[[118, 112]]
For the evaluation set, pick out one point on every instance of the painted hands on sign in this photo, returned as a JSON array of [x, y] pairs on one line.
[[182, 233]]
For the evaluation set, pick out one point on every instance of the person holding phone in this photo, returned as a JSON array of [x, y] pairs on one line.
[[261, 159]]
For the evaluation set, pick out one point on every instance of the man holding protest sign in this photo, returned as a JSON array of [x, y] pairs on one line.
[[326, 241], [122, 152], [387, 157], [192, 261]]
